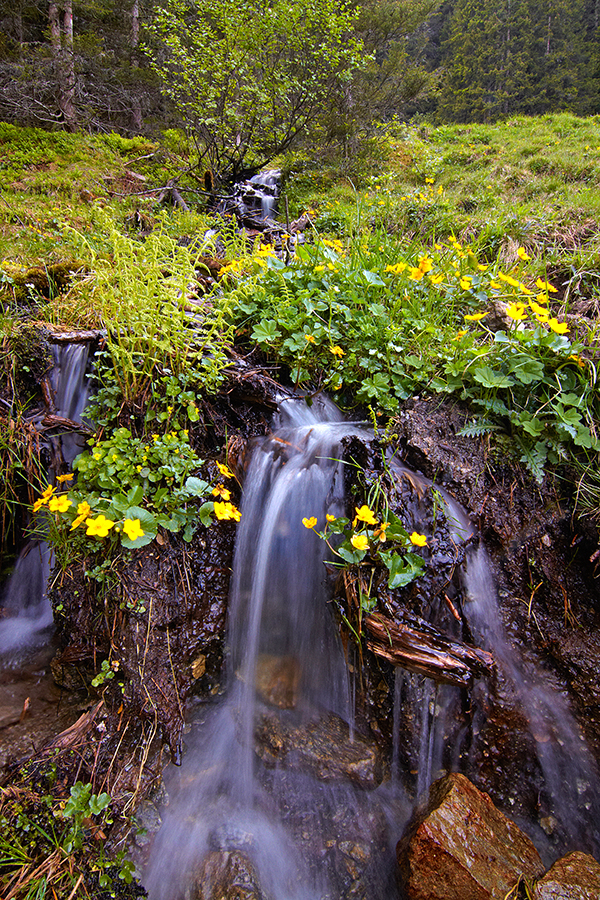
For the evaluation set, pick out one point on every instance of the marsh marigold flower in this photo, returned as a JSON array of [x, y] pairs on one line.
[[337, 351], [516, 311], [419, 540], [359, 541], [133, 529], [475, 317], [98, 527], [364, 514], [59, 504], [309, 523], [227, 511], [83, 511], [523, 254], [558, 327]]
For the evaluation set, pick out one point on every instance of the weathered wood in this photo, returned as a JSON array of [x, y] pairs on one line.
[[426, 652]]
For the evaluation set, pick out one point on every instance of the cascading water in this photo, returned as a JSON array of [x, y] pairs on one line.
[[288, 690], [277, 792], [572, 781], [28, 614]]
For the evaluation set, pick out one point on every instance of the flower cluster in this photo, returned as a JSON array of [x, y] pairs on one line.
[[453, 266], [98, 526], [366, 534]]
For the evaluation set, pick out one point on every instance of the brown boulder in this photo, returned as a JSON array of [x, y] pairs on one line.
[[461, 847], [574, 877]]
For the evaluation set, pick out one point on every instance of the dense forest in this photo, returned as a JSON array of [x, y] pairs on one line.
[[99, 64]]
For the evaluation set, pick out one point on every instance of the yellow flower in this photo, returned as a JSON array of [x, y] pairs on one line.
[[99, 527], [364, 514], [465, 283], [494, 284], [508, 279], [542, 298], [419, 540], [523, 254], [396, 268], [221, 491], [558, 327], [330, 518], [516, 311], [62, 478], [429, 180], [133, 529], [380, 533], [359, 541], [545, 286], [415, 274], [436, 279], [337, 351], [225, 472], [537, 309], [425, 264], [475, 317], [41, 501], [48, 493], [59, 504], [83, 511], [459, 335], [319, 269], [309, 523], [310, 338], [524, 289], [226, 511], [579, 360], [482, 268]]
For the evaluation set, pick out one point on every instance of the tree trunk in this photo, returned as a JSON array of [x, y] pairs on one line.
[[136, 110], [61, 40]]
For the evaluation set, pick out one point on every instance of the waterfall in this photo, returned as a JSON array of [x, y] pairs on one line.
[[240, 791], [28, 614], [572, 781], [249, 798]]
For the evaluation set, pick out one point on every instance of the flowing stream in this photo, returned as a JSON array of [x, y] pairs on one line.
[[277, 792], [28, 615]]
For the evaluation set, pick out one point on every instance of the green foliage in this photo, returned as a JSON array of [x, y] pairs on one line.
[[145, 291], [248, 78], [126, 489], [367, 537], [48, 847]]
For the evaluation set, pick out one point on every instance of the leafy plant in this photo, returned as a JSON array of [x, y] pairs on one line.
[[247, 79], [147, 292], [385, 542]]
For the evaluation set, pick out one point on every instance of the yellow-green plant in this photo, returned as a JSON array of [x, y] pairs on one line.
[[157, 319]]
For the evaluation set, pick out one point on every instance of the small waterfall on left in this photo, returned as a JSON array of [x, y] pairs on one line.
[[27, 611]]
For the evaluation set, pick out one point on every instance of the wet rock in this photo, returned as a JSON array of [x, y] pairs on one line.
[[461, 847], [321, 748], [574, 877], [277, 680], [226, 875]]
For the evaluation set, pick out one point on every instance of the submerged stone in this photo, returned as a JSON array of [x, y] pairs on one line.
[[461, 847], [322, 748], [277, 680], [226, 875], [574, 877]]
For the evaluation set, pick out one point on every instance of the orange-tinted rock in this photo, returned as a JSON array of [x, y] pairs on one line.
[[574, 877], [461, 847]]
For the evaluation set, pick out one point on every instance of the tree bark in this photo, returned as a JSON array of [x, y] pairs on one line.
[[61, 40]]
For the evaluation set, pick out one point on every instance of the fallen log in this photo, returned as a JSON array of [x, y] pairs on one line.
[[426, 652]]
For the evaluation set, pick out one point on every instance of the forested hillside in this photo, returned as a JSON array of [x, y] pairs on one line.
[[97, 64]]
